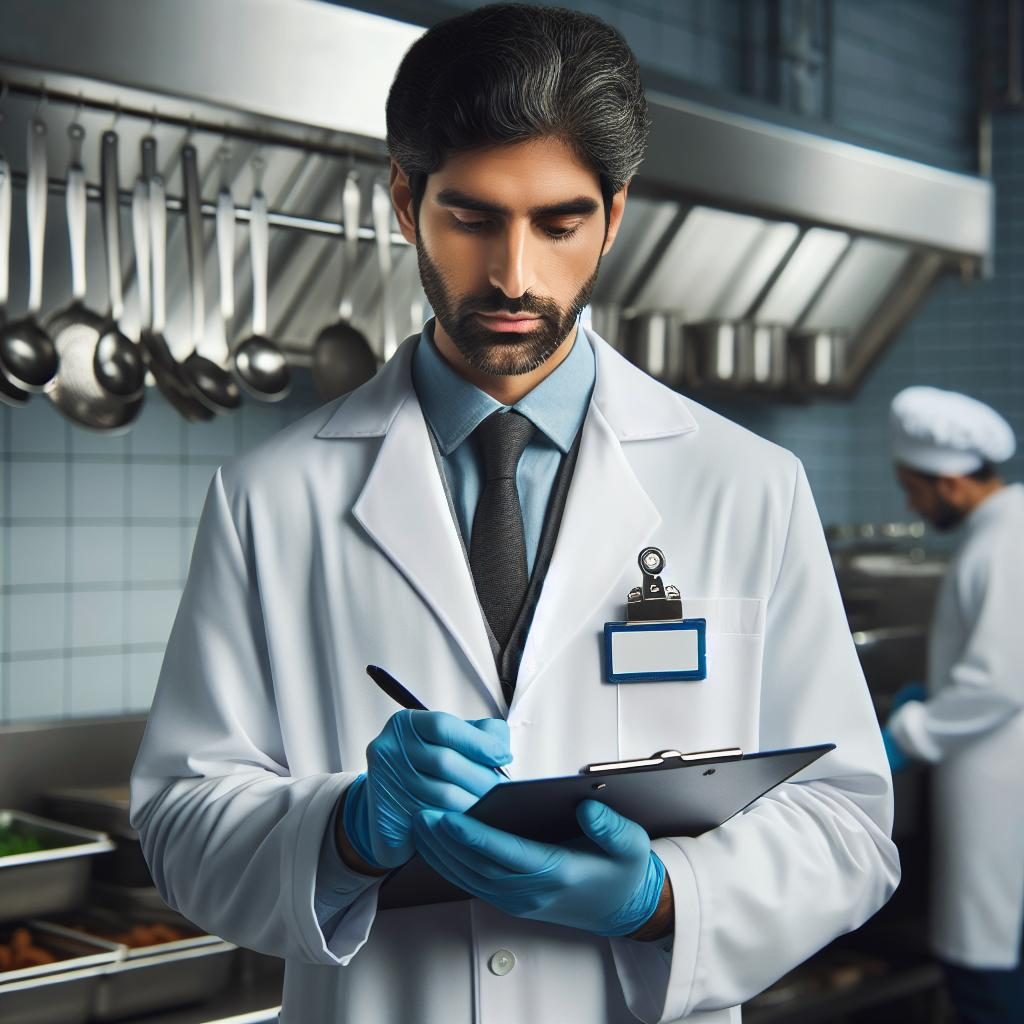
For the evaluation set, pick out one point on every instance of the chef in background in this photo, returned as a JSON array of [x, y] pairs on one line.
[[969, 722]]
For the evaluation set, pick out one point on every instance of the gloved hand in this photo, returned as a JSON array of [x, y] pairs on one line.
[[897, 759], [908, 692], [608, 884], [420, 760]]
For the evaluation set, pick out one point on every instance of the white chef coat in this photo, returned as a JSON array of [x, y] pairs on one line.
[[332, 545], [972, 729]]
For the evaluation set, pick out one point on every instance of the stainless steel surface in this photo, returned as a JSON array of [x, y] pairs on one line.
[[203, 59], [28, 357], [52, 879], [161, 980], [259, 364], [102, 808], [74, 951], [766, 170], [64, 998], [211, 383], [341, 357], [117, 364]]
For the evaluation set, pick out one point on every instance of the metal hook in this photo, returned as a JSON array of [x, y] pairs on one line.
[[224, 154], [154, 121], [77, 116], [258, 165], [117, 115], [42, 100]]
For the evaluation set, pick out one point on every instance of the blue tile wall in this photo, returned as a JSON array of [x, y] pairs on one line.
[[96, 536], [97, 531]]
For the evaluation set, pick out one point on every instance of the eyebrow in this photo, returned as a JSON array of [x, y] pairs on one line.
[[452, 197]]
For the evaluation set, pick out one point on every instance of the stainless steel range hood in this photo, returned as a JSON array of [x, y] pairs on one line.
[[737, 222], [744, 242]]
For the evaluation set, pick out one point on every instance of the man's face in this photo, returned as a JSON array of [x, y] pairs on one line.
[[509, 240], [930, 498]]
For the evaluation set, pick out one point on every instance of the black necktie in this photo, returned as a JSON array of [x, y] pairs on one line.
[[497, 552]]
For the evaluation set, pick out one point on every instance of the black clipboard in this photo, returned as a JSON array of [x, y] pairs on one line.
[[669, 794]]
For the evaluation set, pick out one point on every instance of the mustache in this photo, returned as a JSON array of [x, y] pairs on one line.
[[498, 302]]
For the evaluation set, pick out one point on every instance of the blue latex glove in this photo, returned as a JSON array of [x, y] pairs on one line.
[[420, 760], [908, 692], [897, 759], [609, 886]]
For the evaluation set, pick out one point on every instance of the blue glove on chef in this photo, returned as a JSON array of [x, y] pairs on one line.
[[608, 884], [421, 759], [906, 693], [894, 752]]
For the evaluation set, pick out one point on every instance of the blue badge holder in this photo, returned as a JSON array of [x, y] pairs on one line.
[[656, 644]]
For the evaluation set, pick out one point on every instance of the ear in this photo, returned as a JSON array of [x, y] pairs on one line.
[[401, 199], [615, 217]]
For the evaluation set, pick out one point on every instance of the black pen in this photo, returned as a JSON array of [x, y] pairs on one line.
[[400, 695]]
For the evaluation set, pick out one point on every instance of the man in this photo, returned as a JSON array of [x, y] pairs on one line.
[[969, 724], [469, 520]]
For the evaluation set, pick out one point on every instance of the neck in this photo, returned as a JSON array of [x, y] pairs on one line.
[[505, 389]]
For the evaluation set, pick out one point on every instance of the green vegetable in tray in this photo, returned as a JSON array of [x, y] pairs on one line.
[[12, 842]]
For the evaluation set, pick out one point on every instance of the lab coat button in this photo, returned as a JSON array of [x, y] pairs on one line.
[[502, 962]]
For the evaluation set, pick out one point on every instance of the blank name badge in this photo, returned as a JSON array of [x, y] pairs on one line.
[[653, 652]]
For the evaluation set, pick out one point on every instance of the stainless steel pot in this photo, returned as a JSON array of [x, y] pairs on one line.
[[819, 359], [723, 352]]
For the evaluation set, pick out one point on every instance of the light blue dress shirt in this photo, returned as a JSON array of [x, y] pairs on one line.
[[453, 409]]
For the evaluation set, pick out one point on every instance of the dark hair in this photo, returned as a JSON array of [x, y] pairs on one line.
[[507, 73]]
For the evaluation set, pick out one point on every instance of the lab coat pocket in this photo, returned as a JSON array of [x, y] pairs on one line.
[[718, 711]]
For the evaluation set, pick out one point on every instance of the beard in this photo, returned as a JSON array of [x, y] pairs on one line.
[[946, 517], [499, 353]]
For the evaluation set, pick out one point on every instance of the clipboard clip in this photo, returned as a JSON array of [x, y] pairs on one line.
[[659, 760]]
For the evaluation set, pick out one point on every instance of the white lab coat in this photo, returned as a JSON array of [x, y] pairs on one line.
[[332, 546], [972, 729]]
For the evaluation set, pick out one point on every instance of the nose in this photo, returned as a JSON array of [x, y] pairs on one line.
[[510, 266]]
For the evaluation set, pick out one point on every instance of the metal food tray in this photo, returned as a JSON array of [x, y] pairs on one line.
[[91, 922], [159, 981], [105, 808], [75, 950], [59, 993], [65, 998], [52, 879]]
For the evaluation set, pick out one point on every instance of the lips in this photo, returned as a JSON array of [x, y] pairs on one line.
[[510, 324]]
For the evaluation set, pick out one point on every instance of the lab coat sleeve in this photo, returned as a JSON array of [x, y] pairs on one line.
[[984, 687], [232, 839], [811, 860]]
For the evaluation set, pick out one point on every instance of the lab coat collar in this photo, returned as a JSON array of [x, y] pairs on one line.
[[635, 407], [608, 515]]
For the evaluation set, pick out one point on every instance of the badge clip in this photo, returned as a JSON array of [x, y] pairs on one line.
[[655, 643]]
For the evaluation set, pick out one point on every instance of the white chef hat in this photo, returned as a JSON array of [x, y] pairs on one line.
[[947, 434]]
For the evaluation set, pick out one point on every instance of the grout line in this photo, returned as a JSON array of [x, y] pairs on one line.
[[67, 653], [68, 571], [5, 571]]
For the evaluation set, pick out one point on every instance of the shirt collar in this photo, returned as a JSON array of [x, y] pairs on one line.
[[454, 408]]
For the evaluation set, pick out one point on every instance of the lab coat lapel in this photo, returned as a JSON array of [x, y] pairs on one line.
[[608, 514], [404, 509]]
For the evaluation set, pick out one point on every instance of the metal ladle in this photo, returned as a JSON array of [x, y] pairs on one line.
[[28, 356], [342, 357], [117, 361], [213, 385], [9, 394], [258, 363]]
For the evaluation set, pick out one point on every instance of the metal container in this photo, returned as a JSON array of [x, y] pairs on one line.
[[58, 993], [157, 981], [723, 352], [658, 344], [53, 878], [768, 356], [105, 808], [818, 360], [65, 998]]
